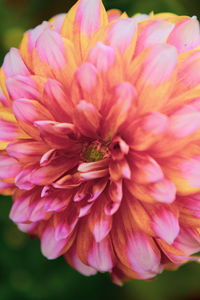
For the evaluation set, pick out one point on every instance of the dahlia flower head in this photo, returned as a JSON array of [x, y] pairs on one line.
[[100, 139]]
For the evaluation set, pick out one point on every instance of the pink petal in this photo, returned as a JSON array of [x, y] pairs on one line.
[[26, 149], [100, 257], [57, 101], [51, 50], [188, 73], [113, 14], [159, 65], [28, 228], [20, 211], [99, 223], [187, 241], [92, 166], [121, 34], [3, 98], [97, 189], [186, 35], [48, 174], [9, 167], [156, 123], [58, 22], [47, 157], [73, 259], [38, 210], [14, 65], [116, 191], [142, 257], [34, 34], [50, 247], [8, 131], [148, 170], [156, 32], [30, 111], [134, 248], [124, 94], [87, 77], [23, 179], [22, 87], [184, 122], [163, 191], [87, 119], [88, 16], [190, 170], [165, 224], [102, 57], [65, 222]]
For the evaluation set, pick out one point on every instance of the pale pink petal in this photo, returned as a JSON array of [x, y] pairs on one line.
[[100, 257], [8, 131], [20, 211], [51, 50], [50, 247], [156, 123], [102, 57], [121, 34], [163, 191], [155, 32], [184, 122], [88, 16], [26, 148], [58, 22], [187, 241], [23, 179], [142, 257], [159, 65], [9, 167], [148, 170], [188, 72], [87, 76], [22, 87], [34, 34], [87, 119], [14, 65], [48, 174], [124, 94], [28, 228], [73, 259], [165, 224], [113, 14], [186, 35], [99, 223], [65, 222], [30, 111], [3, 98], [190, 170], [56, 100]]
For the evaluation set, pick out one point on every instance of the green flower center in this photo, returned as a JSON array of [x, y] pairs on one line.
[[94, 152]]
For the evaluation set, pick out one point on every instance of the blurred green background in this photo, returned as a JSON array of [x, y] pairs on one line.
[[24, 272]]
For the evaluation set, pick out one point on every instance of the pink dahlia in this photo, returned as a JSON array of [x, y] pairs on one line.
[[100, 139]]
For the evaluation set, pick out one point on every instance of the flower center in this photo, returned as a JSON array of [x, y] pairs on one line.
[[94, 151]]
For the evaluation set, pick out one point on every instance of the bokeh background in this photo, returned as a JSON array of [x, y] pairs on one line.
[[24, 273]]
